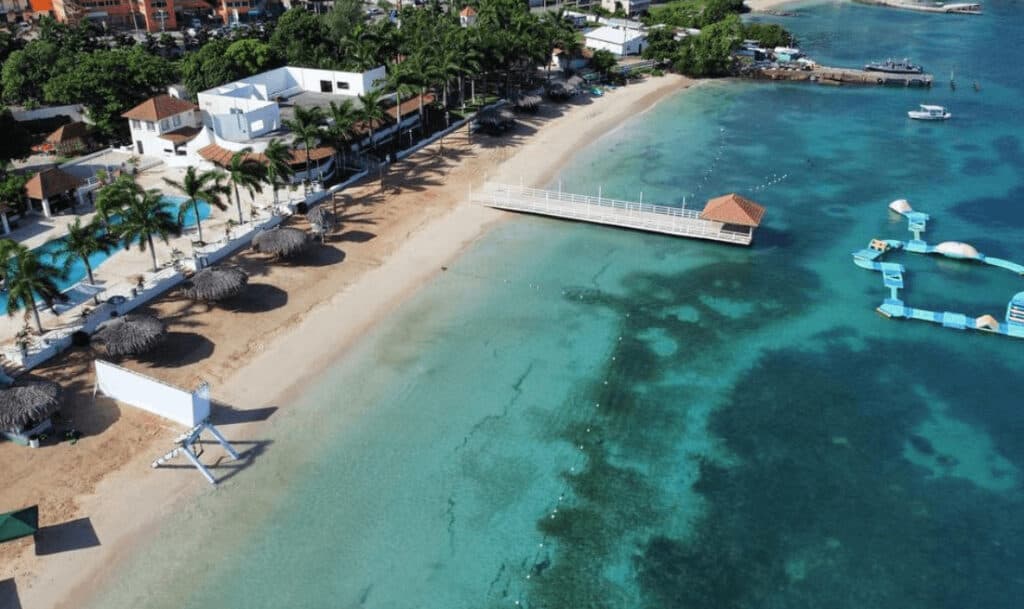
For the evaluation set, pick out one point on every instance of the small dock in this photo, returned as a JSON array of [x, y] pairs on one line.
[[729, 219], [843, 76]]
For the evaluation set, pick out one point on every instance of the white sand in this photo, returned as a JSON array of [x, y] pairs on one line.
[[126, 504]]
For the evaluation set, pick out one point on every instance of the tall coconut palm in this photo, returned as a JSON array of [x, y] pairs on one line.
[[114, 197], [402, 81], [83, 241], [371, 113], [30, 279], [278, 169], [305, 126], [145, 219], [206, 186], [244, 172], [8, 249], [342, 117]]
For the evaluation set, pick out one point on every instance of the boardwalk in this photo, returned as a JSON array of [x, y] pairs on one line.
[[599, 210]]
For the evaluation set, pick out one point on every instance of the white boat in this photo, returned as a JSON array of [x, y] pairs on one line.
[[930, 113]]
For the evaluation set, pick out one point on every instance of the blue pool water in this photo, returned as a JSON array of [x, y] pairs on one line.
[[77, 271], [580, 417]]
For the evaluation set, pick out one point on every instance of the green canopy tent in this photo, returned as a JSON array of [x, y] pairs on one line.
[[21, 523]]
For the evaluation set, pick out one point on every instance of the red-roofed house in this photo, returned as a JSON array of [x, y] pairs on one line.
[[467, 16], [161, 126]]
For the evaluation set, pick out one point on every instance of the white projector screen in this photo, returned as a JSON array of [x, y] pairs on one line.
[[152, 395]]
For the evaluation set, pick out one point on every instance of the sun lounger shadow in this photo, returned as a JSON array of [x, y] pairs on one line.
[[356, 236], [221, 465], [9, 594], [225, 414], [65, 537]]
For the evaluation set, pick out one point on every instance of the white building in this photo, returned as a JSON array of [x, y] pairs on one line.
[[162, 126], [630, 7], [618, 40]]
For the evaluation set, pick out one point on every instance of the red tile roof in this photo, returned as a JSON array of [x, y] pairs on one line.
[[68, 133], [733, 209], [50, 182], [469, 11], [222, 156], [159, 107]]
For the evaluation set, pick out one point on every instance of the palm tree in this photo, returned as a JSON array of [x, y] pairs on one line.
[[371, 112], [115, 197], [278, 169], [401, 81], [84, 241], [145, 219], [305, 126], [342, 118], [205, 186], [245, 172], [8, 249], [28, 279]]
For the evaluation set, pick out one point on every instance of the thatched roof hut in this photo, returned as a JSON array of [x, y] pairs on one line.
[[564, 89], [23, 406], [321, 219], [527, 102], [216, 283], [496, 120], [129, 334], [281, 242]]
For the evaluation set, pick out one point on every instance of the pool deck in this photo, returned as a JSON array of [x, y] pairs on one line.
[[122, 264]]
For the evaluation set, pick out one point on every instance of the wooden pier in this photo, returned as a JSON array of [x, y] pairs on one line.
[[679, 222], [842, 76]]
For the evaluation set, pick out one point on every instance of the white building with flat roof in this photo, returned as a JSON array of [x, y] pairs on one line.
[[617, 40]]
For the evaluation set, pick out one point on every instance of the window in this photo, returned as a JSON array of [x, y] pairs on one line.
[[165, 125], [177, 120], [136, 124], [150, 126], [342, 85], [326, 87]]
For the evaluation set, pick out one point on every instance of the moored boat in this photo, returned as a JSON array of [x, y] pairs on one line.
[[930, 113], [894, 67]]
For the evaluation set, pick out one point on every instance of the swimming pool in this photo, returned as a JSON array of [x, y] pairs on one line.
[[76, 271]]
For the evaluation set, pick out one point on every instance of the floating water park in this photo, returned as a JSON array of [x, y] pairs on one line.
[[892, 277]]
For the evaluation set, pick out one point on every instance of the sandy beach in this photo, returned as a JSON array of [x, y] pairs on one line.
[[392, 241]]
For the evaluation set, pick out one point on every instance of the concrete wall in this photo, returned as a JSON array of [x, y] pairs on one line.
[[342, 83]]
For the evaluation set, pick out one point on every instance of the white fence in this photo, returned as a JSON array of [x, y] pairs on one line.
[[186, 407]]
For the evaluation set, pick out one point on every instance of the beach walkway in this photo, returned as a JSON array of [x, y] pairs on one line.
[[676, 221]]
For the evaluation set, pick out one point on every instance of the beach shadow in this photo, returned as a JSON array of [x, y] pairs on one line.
[[222, 466], [9, 594], [225, 414], [179, 349], [356, 236], [320, 255], [257, 298], [65, 537]]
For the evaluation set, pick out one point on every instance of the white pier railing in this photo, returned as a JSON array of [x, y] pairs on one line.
[[676, 221]]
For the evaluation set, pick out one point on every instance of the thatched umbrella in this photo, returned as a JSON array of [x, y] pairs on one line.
[[129, 334], [496, 120], [24, 405], [281, 242], [527, 102], [216, 283], [321, 219]]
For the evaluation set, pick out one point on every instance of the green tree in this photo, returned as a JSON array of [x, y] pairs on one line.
[[603, 61], [371, 114], [83, 241], [343, 18], [661, 44], [207, 67], [112, 198], [279, 170], [30, 279], [26, 71], [206, 186], [145, 219], [109, 82], [710, 53], [300, 38], [249, 56], [244, 172], [12, 191], [342, 118], [16, 142], [305, 126]]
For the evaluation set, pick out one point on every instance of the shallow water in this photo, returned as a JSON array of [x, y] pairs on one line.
[[574, 416]]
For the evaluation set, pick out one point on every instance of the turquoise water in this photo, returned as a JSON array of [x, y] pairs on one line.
[[77, 272], [578, 417]]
